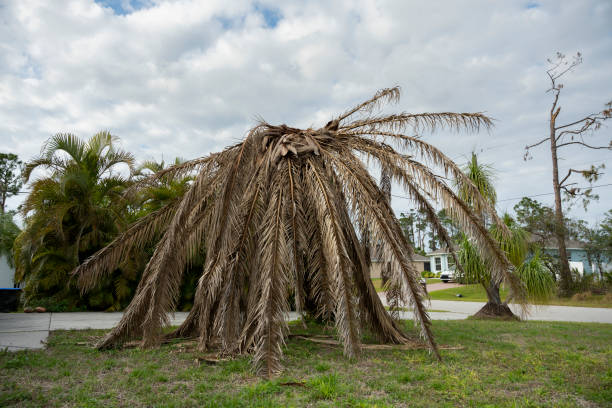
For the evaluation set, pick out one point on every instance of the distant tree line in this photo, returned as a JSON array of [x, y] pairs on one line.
[[80, 199]]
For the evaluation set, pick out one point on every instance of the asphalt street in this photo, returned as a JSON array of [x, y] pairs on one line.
[[20, 331]]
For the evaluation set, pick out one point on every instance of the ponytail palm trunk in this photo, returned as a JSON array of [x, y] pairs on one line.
[[277, 215], [481, 176]]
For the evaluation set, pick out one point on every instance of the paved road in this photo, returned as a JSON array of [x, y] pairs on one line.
[[453, 310], [20, 331]]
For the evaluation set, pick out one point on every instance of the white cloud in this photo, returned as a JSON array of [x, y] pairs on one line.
[[183, 78]]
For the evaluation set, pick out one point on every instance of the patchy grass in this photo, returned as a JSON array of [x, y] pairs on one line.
[[378, 284], [502, 364], [476, 293], [470, 293]]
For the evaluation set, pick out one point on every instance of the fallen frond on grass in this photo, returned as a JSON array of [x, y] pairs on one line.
[[411, 346]]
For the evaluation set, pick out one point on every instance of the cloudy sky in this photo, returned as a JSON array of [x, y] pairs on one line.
[[184, 78]]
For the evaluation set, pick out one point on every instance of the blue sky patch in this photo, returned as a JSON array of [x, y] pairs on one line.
[[532, 5], [123, 7], [271, 16]]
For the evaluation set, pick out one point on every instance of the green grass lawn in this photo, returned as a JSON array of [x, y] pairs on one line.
[[471, 293], [501, 364], [476, 293]]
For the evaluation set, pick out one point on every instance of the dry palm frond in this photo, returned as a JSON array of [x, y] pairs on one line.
[[141, 233], [277, 215]]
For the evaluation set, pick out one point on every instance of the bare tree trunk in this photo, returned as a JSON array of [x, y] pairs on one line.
[[569, 134], [566, 277]]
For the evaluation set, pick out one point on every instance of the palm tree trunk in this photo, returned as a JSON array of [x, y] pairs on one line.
[[494, 308], [493, 293], [77, 244]]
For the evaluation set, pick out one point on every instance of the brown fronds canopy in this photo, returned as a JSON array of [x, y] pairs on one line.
[[277, 215]]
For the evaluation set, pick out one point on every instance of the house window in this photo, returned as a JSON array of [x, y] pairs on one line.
[[451, 263], [438, 264]]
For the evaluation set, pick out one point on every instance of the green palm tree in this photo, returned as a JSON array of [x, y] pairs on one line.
[[512, 239], [162, 191], [76, 207], [481, 176]]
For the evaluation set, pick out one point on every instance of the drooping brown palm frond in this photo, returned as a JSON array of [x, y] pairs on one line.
[[278, 215]]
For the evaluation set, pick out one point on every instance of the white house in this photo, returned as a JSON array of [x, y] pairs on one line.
[[442, 262], [439, 260]]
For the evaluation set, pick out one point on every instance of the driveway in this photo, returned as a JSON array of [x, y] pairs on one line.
[[431, 287], [19, 331]]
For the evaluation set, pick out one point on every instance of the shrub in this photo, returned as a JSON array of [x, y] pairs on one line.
[[428, 274], [56, 304], [582, 296]]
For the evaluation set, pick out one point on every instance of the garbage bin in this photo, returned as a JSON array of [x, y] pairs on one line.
[[9, 299]]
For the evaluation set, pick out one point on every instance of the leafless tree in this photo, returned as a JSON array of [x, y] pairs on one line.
[[571, 134]]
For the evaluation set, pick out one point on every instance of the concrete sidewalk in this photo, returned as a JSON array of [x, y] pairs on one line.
[[19, 331]]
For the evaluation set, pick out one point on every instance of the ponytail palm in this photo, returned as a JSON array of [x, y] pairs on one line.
[[474, 269], [537, 282], [278, 214]]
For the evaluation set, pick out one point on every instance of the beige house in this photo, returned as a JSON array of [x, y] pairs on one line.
[[420, 262]]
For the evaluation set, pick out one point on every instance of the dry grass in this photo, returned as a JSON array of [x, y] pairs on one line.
[[499, 364]]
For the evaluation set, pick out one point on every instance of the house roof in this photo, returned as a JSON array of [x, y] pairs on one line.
[[420, 258], [440, 251], [551, 243], [415, 258]]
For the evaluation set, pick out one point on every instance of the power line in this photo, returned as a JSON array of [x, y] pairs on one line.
[[518, 198], [543, 194]]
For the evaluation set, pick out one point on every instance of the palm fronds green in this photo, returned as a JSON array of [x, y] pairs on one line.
[[538, 281]]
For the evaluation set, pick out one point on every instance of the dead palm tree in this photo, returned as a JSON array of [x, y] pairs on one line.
[[277, 214]]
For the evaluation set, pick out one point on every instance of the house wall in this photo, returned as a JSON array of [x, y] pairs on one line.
[[420, 266], [6, 273], [443, 263], [376, 268], [579, 255], [574, 255]]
